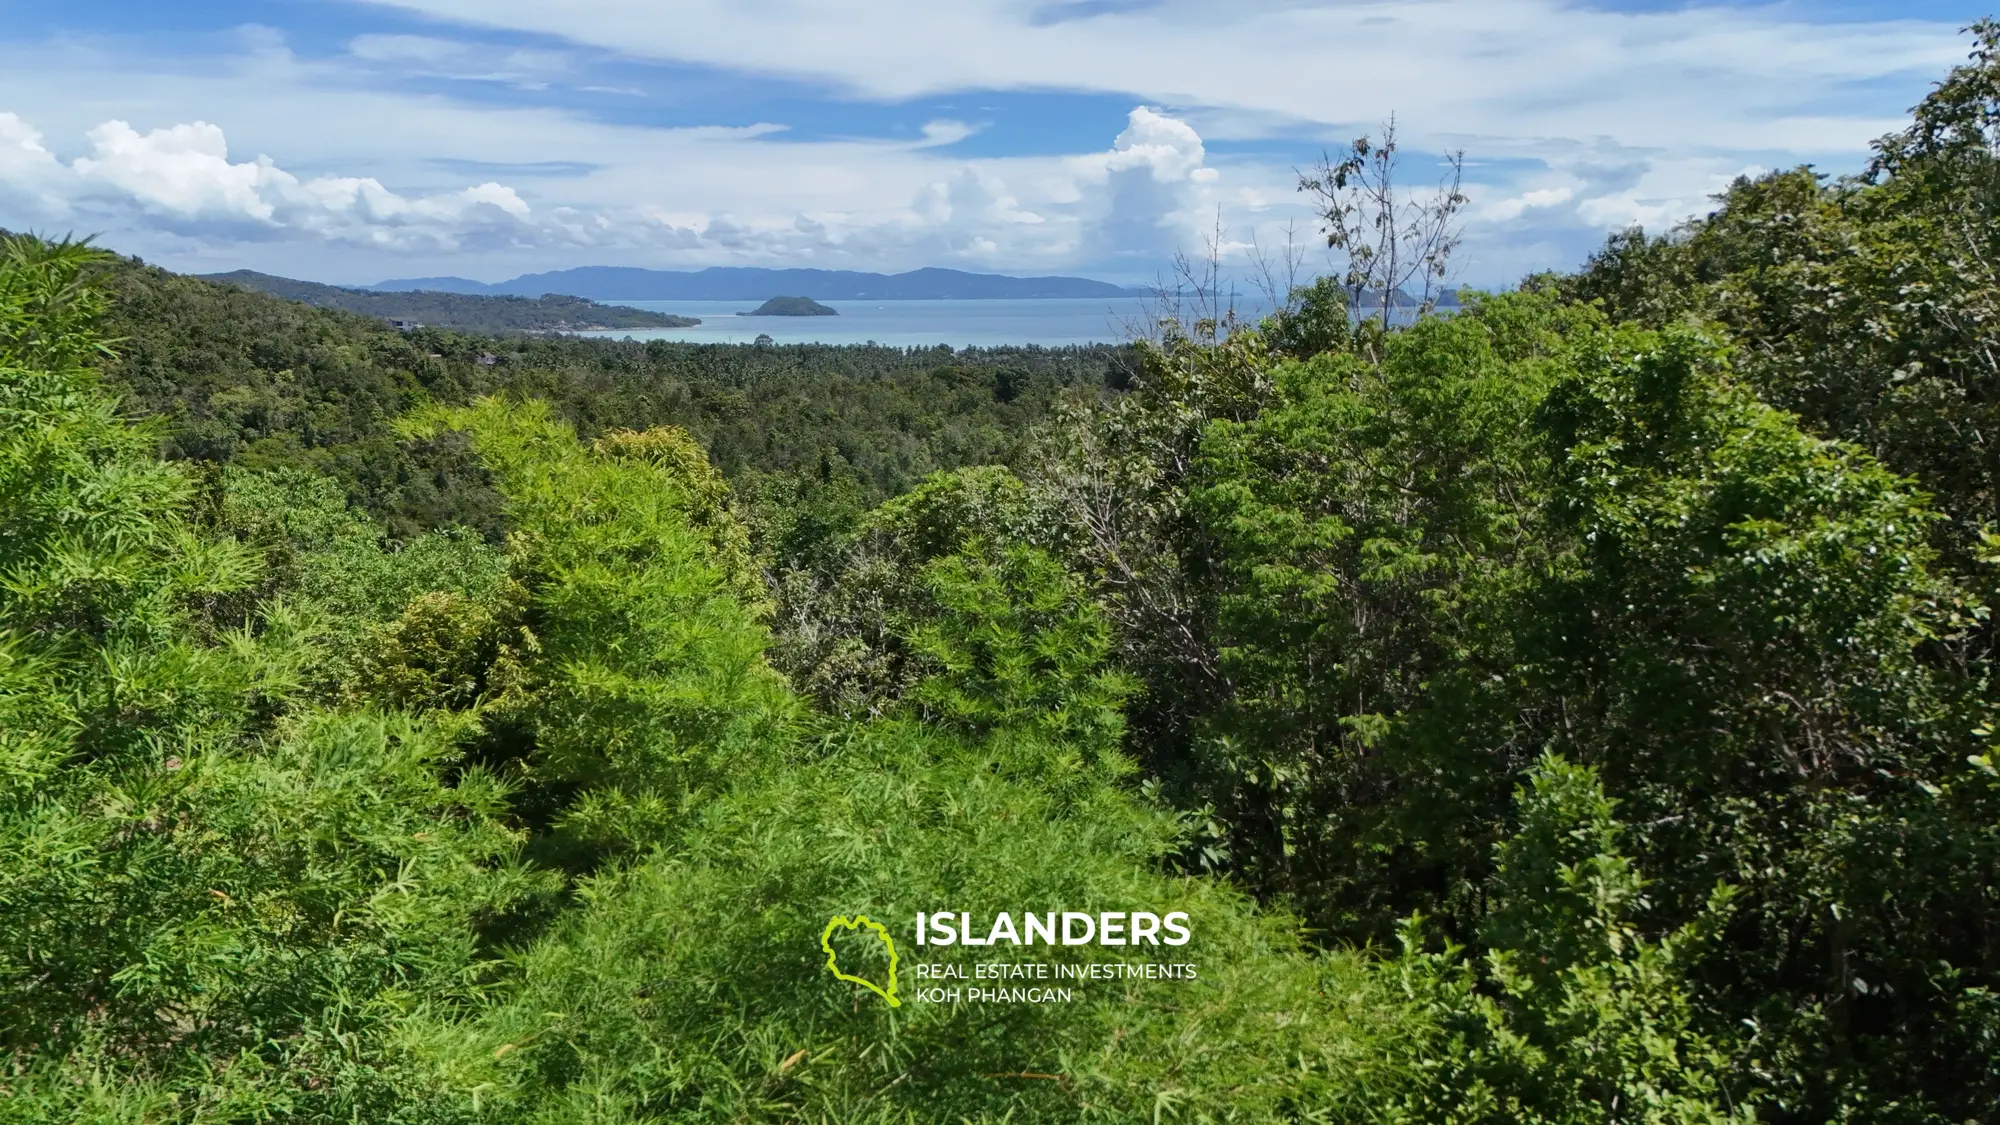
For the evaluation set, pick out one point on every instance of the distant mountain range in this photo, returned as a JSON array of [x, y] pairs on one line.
[[465, 312], [745, 283]]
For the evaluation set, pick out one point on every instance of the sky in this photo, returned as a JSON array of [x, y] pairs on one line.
[[354, 142]]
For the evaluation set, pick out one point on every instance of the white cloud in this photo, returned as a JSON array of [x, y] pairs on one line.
[[184, 171], [181, 179], [28, 172], [1169, 147], [946, 132], [1700, 75], [1669, 192], [1157, 189], [1519, 205], [434, 57]]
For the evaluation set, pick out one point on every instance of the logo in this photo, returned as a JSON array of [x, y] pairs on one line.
[[833, 960]]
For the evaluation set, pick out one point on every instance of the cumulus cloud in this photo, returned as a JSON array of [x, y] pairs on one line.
[[28, 171], [1137, 198], [1156, 179], [1168, 147], [969, 199], [1554, 211], [183, 179], [184, 171]]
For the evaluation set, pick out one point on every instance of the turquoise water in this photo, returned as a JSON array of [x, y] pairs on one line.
[[961, 324]]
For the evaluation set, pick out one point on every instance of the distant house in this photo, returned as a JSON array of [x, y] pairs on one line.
[[402, 325]]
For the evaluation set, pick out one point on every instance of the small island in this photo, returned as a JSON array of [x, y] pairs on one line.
[[792, 306]]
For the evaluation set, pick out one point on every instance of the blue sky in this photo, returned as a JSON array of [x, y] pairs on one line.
[[358, 141]]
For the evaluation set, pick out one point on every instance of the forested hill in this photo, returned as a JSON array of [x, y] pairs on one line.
[[792, 306], [243, 377], [459, 311]]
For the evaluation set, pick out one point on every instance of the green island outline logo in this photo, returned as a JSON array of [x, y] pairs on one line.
[[832, 961]]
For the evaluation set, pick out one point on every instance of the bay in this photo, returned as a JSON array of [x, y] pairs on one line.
[[960, 324], [990, 323]]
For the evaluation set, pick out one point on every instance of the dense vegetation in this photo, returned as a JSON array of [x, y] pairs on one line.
[[1574, 709], [245, 379], [462, 312]]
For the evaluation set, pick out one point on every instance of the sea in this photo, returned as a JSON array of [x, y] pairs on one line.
[[959, 324], [1050, 323]]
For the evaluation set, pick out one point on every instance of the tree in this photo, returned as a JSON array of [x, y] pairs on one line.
[[1389, 238], [216, 897], [1574, 1014]]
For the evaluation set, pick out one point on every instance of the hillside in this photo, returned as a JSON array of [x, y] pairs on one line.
[[240, 376], [464, 312], [736, 283]]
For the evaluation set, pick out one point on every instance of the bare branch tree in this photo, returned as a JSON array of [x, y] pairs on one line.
[[1195, 302], [1390, 239], [1277, 270]]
